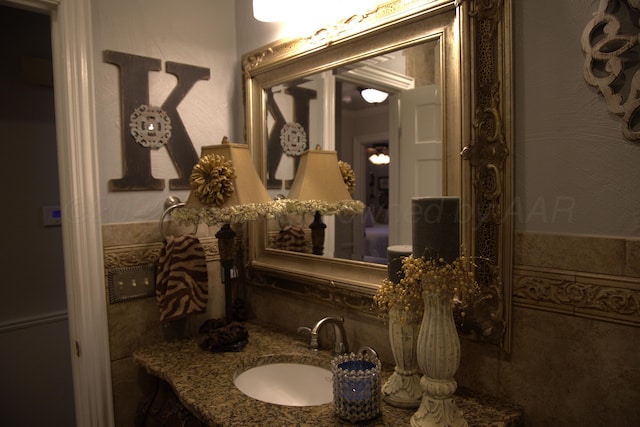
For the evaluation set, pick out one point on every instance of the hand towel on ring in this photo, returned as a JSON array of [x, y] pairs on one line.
[[182, 280]]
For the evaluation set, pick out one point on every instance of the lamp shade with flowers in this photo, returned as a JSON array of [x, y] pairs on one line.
[[225, 177]]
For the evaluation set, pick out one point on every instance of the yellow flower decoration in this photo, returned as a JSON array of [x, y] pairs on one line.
[[348, 176], [212, 179], [421, 276]]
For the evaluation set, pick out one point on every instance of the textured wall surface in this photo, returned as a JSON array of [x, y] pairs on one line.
[[575, 172], [200, 35]]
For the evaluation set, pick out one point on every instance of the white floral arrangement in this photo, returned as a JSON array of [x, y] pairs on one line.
[[254, 211]]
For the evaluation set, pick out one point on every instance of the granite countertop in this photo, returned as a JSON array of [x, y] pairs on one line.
[[203, 381]]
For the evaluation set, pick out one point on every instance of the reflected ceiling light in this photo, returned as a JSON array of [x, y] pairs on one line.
[[380, 159], [379, 155], [373, 96]]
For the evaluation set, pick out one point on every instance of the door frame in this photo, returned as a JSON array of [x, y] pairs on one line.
[[75, 109]]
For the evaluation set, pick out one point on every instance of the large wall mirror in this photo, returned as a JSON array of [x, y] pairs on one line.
[[444, 124]]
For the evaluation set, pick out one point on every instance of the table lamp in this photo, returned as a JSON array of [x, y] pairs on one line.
[[225, 180], [319, 178]]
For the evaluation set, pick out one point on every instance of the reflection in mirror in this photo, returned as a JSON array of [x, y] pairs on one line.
[[466, 129], [329, 109]]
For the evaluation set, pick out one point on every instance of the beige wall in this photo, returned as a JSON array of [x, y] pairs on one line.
[[200, 34]]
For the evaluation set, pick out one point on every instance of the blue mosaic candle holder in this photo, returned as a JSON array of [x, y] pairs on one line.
[[356, 386]]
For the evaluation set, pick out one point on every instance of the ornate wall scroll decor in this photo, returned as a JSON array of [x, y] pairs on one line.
[[610, 45], [138, 138]]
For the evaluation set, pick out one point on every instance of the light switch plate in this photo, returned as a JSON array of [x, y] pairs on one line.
[[128, 283]]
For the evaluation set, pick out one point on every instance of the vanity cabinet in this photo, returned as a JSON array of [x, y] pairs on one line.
[[162, 408], [201, 383]]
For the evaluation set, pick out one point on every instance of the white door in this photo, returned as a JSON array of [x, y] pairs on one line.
[[419, 152]]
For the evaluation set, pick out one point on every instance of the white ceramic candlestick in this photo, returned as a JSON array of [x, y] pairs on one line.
[[439, 358], [402, 389], [436, 234]]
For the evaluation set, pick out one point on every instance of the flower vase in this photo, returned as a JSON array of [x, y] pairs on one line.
[[402, 389], [439, 358]]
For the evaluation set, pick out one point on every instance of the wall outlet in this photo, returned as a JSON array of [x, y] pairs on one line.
[[127, 283]]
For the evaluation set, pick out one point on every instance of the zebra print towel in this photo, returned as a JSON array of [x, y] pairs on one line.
[[182, 280]]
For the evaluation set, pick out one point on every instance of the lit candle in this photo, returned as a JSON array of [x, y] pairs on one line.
[[356, 387]]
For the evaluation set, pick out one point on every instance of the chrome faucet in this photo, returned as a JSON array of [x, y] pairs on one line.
[[340, 345]]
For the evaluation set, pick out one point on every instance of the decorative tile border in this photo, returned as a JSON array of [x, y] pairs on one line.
[[148, 253], [131, 255], [136, 243], [589, 276], [597, 296]]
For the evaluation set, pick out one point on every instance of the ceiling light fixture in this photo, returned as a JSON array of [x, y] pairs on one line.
[[274, 10], [373, 96], [314, 14]]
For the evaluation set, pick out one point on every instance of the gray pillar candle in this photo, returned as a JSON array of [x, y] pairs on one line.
[[394, 261], [436, 227]]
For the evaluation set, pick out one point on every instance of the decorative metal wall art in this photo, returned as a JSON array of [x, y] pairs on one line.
[[293, 139], [610, 45], [150, 126]]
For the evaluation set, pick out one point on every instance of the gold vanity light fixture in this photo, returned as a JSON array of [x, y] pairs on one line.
[[319, 179], [227, 169]]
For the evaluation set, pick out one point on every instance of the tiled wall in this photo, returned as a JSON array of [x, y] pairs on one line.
[[575, 331], [575, 327], [136, 322]]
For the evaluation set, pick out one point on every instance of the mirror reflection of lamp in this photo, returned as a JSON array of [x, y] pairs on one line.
[[247, 189], [319, 178]]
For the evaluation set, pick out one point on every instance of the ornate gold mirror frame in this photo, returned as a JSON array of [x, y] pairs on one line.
[[477, 82]]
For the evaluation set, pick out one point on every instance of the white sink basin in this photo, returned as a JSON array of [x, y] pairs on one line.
[[290, 384]]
